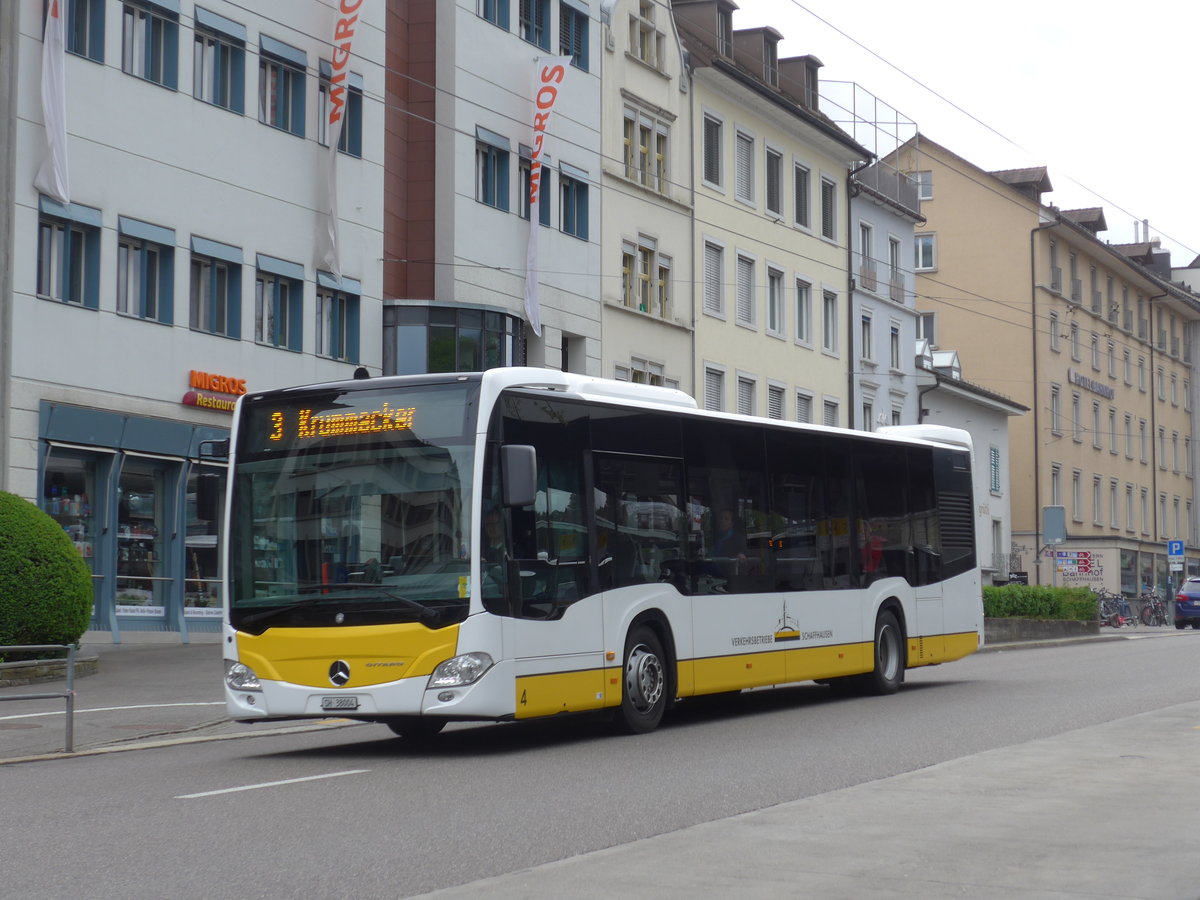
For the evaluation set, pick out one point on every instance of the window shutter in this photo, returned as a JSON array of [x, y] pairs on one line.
[[745, 168], [714, 386], [712, 278], [745, 290], [712, 151], [803, 408], [775, 402]]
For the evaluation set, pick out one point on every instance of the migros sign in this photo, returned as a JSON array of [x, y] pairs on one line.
[[202, 382]]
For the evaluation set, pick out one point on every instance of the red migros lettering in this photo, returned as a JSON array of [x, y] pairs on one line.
[[555, 74], [206, 381], [344, 30], [546, 96]]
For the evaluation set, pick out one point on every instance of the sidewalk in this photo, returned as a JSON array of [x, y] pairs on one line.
[[151, 688]]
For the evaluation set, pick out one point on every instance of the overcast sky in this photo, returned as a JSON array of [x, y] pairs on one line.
[[1105, 95]]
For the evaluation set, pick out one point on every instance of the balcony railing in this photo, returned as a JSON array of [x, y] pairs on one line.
[[1096, 302], [866, 276], [1076, 289], [896, 289]]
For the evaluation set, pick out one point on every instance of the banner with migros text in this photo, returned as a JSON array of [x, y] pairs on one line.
[[549, 72], [51, 177], [343, 37]]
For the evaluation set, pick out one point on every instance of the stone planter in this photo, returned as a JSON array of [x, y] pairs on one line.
[[1007, 631]]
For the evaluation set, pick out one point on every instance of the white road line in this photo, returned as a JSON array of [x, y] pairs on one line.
[[266, 784], [63, 712]]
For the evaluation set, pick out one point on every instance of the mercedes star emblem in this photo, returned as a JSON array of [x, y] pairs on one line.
[[339, 673]]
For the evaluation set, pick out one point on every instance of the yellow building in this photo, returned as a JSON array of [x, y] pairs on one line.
[[1094, 338]]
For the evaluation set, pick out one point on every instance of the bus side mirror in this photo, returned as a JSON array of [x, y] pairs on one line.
[[208, 492], [518, 465]]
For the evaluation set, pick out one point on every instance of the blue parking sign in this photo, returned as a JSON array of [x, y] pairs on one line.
[[1175, 548]]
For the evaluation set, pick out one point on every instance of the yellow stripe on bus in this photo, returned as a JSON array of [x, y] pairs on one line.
[[376, 654], [745, 670], [562, 692]]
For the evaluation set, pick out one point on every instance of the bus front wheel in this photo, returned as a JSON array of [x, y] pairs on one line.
[[415, 728], [644, 683]]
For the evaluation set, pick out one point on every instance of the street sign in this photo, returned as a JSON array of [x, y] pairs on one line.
[[1175, 556]]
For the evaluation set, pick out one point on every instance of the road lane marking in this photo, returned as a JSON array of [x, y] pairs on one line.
[[63, 712], [267, 784]]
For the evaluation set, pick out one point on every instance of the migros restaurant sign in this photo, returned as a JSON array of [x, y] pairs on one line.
[[210, 391]]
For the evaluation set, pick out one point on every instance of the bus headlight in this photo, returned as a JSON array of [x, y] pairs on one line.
[[461, 670], [240, 677]]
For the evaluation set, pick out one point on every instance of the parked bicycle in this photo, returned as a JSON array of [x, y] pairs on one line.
[[1114, 609], [1154, 611]]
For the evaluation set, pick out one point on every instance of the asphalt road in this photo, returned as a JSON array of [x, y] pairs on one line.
[[353, 812]]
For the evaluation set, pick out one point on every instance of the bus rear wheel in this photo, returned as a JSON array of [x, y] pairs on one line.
[[889, 656], [415, 728], [644, 683]]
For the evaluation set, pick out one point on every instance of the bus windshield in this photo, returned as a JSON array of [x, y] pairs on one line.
[[353, 507]]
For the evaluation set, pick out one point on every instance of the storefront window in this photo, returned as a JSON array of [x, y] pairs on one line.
[[142, 583], [202, 587], [67, 495]]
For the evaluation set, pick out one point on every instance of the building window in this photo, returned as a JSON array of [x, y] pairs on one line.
[[219, 64], [994, 469], [774, 183], [1055, 410], [1128, 366], [1077, 496], [1076, 421], [279, 306], [85, 28], [525, 168], [803, 312], [1114, 445], [714, 299], [573, 35], [775, 401], [215, 295], [865, 343], [150, 45], [1054, 335], [925, 246], [337, 320], [924, 185], [828, 209], [927, 328], [533, 21], [351, 98], [646, 278], [829, 323], [1129, 507], [1055, 485], [421, 339], [145, 271], [866, 256], [746, 388], [775, 323], [744, 159], [69, 254], [645, 40], [495, 11], [712, 150], [802, 189], [746, 301], [868, 415], [1142, 440], [646, 155], [1128, 436], [725, 32], [1096, 425], [281, 71], [894, 347], [1142, 374], [1162, 391], [830, 413], [1112, 360], [714, 389], [491, 174], [573, 205], [1174, 389], [803, 407], [1097, 501], [1074, 338]]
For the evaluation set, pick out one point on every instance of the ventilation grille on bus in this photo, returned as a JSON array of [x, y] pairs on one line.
[[957, 520]]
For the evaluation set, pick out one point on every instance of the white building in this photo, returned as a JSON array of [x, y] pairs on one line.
[[185, 267]]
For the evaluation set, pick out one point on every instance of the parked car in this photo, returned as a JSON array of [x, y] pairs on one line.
[[1187, 604]]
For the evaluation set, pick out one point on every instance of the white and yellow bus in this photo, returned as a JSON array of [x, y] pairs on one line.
[[525, 542]]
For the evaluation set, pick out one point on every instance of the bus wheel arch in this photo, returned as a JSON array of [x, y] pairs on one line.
[[890, 649]]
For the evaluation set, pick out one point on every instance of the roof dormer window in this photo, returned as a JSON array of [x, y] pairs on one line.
[[725, 31], [770, 62]]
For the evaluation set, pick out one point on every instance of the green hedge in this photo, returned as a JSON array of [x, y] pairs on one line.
[[45, 586], [1023, 601]]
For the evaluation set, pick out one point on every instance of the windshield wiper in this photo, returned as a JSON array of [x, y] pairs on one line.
[[425, 615]]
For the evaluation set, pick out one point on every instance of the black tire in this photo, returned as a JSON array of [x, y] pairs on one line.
[[888, 674], [1179, 626], [644, 683], [415, 728], [1147, 616]]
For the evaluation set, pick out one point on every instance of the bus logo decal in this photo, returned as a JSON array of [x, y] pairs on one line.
[[339, 673]]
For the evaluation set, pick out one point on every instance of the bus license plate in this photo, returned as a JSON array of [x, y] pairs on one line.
[[339, 703]]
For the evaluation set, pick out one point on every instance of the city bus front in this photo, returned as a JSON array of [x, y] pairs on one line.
[[349, 554]]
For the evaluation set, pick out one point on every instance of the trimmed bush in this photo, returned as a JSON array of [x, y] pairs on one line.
[[1024, 601], [45, 586]]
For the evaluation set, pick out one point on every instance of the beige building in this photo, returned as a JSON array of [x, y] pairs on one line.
[[771, 224], [1094, 338]]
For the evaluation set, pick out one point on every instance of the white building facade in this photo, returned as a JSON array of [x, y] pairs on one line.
[[187, 265]]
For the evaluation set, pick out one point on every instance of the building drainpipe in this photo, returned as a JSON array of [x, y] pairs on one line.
[[851, 193], [1037, 430]]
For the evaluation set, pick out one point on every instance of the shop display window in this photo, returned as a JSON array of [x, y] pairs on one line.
[[202, 586], [67, 495], [142, 587]]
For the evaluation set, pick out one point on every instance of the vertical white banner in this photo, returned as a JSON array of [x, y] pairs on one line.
[[335, 114], [52, 177], [549, 72]]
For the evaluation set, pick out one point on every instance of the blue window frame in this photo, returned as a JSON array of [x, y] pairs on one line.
[[573, 205], [573, 34], [534, 22], [145, 271], [279, 303], [216, 288], [491, 169], [495, 11], [219, 62], [69, 253], [337, 317], [85, 28], [281, 71], [150, 43], [350, 140]]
